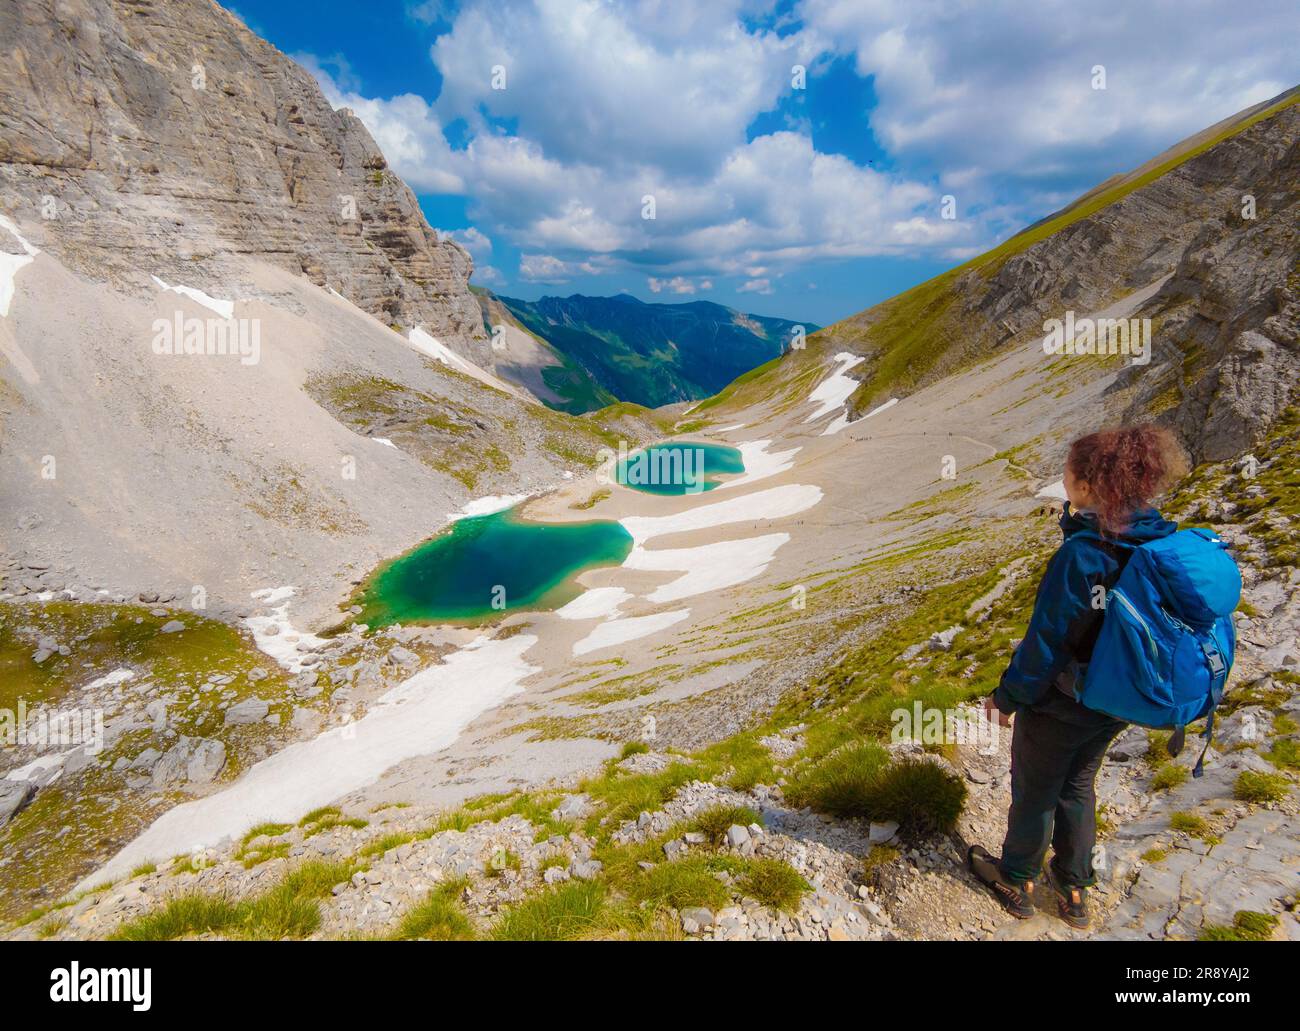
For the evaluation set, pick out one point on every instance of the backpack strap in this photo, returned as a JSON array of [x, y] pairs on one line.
[[1218, 677], [1209, 735]]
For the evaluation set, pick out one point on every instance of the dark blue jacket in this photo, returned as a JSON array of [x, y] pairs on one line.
[[1065, 625]]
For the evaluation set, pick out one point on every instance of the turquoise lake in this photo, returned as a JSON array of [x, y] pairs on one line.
[[484, 566], [680, 468]]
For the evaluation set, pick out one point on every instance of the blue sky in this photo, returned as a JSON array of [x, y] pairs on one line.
[[809, 196]]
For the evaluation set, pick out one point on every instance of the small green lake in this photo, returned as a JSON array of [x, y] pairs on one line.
[[686, 467], [484, 566]]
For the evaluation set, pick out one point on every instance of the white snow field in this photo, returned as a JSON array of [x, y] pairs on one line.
[[421, 715], [619, 631], [275, 635], [773, 503], [834, 390], [11, 263], [226, 309], [709, 567]]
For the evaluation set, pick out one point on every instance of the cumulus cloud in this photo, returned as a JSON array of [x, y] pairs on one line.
[[487, 275], [1005, 89], [677, 285], [546, 268], [407, 130], [608, 103], [478, 245], [668, 84]]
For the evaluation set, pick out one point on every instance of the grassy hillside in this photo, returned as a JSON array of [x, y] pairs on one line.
[[918, 335]]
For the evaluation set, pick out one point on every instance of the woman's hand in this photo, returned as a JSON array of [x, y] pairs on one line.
[[994, 713]]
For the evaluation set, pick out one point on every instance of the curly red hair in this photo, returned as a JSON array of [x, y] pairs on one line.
[[1125, 468]]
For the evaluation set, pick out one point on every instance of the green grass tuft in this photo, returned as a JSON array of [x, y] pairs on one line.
[[271, 830], [1247, 926], [687, 882], [1170, 775], [714, 822], [438, 918], [839, 783], [1260, 788], [182, 917], [288, 909], [569, 911], [774, 883], [919, 795], [1189, 823], [1285, 753]]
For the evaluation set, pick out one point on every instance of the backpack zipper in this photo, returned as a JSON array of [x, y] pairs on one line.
[[1132, 611]]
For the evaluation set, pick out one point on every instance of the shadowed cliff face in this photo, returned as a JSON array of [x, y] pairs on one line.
[[167, 138]]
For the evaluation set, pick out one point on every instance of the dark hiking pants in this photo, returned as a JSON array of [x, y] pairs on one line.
[[1056, 750]]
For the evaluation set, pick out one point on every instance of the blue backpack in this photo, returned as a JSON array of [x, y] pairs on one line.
[[1167, 640]]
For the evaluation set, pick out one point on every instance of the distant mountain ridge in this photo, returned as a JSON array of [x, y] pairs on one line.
[[621, 348]]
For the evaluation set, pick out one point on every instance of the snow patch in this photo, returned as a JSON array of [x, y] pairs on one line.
[[226, 309], [842, 420], [709, 567], [595, 603], [118, 676], [487, 505], [835, 389], [10, 264], [435, 348], [1054, 490], [760, 463], [619, 631], [420, 716], [44, 768], [275, 635], [384, 440], [773, 503]]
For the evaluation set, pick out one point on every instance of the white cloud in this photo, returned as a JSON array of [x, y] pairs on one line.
[[609, 101], [677, 285], [546, 268], [755, 286], [406, 129], [658, 82], [1005, 88], [478, 245], [543, 268], [487, 275]]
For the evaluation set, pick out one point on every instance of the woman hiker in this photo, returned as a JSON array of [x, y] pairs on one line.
[[1057, 744]]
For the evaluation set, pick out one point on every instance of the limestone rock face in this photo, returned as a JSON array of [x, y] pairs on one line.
[[166, 138], [1222, 229]]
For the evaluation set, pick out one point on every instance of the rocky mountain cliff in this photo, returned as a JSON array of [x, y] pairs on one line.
[[165, 138], [1218, 221]]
